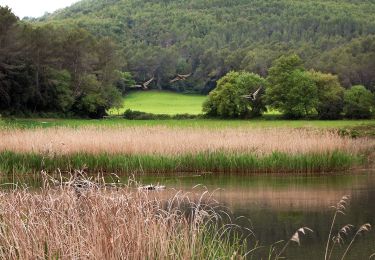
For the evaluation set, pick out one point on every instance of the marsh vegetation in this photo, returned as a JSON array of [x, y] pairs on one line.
[[163, 150]]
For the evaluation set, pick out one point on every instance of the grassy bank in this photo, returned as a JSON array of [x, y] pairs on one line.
[[161, 102], [217, 162]]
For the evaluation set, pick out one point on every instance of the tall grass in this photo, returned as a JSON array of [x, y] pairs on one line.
[[112, 224], [166, 150], [217, 162], [344, 232], [172, 141]]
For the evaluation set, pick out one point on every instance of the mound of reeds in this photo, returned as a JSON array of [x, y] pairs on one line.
[[107, 223]]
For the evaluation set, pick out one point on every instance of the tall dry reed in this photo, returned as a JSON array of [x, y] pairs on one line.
[[109, 224], [170, 141]]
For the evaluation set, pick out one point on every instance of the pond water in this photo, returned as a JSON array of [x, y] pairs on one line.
[[275, 207]]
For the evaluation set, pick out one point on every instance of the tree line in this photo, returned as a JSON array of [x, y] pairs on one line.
[[47, 69], [290, 89]]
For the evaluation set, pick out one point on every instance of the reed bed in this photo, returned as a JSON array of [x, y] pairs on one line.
[[112, 224], [172, 141], [217, 162]]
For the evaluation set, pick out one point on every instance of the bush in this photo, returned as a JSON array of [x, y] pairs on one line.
[[138, 115], [330, 95], [226, 100], [358, 102]]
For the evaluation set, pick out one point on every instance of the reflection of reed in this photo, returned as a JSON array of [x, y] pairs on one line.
[[163, 140], [291, 198]]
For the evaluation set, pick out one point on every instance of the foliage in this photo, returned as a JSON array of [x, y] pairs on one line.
[[138, 115], [290, 89], [48, 69], [125, 82], [302, 96], [226, 100], [330, 95], [358, 102], [211, 38], [163, 38]]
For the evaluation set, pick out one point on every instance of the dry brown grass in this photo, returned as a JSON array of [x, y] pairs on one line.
[[170, 141], [105, 224]]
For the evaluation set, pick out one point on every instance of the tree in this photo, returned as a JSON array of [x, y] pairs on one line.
[[60, 70], [125, 82], [226, 100], [9, 55], [231, 35], [290, 89], [62, 96], [358, 102], [330, 95], [109, 61], [301, 98], [78, 56]]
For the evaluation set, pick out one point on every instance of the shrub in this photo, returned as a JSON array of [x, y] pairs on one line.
[[358, 102], [226, 100], [138, 115], [330, 95]]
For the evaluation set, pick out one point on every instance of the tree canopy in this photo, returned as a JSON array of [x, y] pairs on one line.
[[358, 102], [227, 99], [211, 38], [55, 70]]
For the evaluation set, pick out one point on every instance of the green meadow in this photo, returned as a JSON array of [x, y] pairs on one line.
[[161, 102]]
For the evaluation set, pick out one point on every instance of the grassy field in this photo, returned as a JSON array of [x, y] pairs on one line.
[[198, 123], [161, 102]]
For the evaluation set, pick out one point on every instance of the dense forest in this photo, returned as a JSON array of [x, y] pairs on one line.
[[209, 38], [79, 60], [65, 72]]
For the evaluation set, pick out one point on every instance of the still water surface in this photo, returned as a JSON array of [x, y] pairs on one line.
[[278, 206], [275, 207]]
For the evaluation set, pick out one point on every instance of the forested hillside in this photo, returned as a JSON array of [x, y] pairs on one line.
[[209, 38]]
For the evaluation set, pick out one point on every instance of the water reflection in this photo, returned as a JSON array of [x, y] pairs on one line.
[[277, 206]]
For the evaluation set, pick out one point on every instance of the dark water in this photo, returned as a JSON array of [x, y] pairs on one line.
[[275, 207]]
